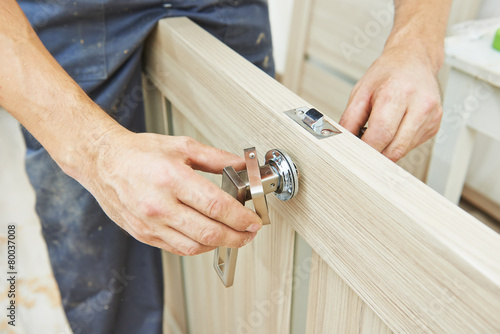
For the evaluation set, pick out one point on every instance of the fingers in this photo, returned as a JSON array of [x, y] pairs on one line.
[[385, 118], [357, 111], [157, 234], [155, 195], [406, 136], [205, 197], [420, 123], [178, 243], [210, 159], [184, 231], [208, 232]]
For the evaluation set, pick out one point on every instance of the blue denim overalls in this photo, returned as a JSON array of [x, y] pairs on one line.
[[109, 282]]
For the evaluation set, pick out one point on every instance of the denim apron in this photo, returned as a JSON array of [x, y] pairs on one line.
[[109, 282]]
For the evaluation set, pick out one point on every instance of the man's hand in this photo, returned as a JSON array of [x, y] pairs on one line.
[[146, 183], [399, 96]]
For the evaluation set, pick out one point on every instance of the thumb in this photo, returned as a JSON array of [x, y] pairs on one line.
[[210, 159]]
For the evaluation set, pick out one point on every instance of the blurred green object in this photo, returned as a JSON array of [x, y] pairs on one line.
[[496, 41]]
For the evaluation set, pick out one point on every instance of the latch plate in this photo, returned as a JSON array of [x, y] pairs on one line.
[[313, 121]]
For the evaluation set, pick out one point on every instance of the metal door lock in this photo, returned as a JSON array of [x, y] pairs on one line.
[[313, 121], [279, 175]]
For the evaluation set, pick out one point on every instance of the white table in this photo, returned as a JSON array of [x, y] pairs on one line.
[[471, 105]]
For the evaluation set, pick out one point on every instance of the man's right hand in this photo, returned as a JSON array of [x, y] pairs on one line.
[[147, 184]]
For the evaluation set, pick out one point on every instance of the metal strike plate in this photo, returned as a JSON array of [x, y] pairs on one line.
[[279, 175], [313, 121]]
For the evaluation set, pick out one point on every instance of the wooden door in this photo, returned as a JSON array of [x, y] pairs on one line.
[[333, 43], [390, 254]]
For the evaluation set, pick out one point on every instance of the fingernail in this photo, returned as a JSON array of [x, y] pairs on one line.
[[250, 239], [253, 228]]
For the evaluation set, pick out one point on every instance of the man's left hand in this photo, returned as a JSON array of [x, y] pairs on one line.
[[399, 96]]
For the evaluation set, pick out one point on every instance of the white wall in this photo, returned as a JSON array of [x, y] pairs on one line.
[[489, 9]]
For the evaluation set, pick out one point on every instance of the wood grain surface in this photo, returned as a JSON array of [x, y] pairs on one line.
[[334, 307], [260, 299], [419, 262]]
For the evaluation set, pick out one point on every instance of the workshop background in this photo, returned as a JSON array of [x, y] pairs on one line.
[[39, 303]]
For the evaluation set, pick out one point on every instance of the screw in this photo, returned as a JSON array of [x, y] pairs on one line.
[[299, 112], [326, 132], [272, 185], [251, 155]]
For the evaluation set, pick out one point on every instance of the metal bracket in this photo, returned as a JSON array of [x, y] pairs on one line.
[[313, 121], [279, 175], [255, 183]]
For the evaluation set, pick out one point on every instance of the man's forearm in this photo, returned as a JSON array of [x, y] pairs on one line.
[[37, 91], [144, 182], [420, 26]]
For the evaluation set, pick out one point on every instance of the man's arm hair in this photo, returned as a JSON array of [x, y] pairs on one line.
[[37, 91], [421, 26]]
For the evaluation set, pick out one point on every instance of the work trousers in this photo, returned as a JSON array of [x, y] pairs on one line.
[[110, 282]]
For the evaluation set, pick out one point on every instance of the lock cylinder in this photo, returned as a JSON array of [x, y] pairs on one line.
[[288, 175]]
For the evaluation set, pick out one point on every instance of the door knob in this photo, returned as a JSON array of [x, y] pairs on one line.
[[278, 175]]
